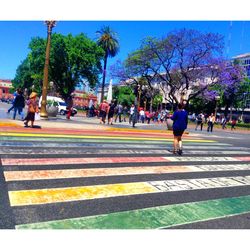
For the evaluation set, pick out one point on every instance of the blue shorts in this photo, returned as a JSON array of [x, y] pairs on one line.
[[178, 132]]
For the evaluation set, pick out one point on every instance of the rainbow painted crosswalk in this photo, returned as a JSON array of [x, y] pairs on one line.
[[120, 178]]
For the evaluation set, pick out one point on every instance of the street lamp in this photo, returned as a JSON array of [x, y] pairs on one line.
[[43, 112]]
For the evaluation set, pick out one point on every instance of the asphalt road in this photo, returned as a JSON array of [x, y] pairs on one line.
[[117, 178]]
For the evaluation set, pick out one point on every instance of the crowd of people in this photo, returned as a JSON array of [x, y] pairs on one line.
[[116, 112], [210, 120]]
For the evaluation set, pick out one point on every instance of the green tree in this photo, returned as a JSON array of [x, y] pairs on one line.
[[157, 100], [73, 59], [109, 42], [23, 78], [125, 96]]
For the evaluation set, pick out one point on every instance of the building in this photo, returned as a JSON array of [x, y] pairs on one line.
[[82, 99], [5, 86], [99, 92], [244, 61]]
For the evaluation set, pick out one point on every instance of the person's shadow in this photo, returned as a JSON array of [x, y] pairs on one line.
[[34, 126]]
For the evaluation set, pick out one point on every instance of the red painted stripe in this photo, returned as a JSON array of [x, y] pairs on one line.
[[243, 158], [55, 161]]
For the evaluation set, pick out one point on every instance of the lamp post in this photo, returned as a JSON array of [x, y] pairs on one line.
[[43, 112]]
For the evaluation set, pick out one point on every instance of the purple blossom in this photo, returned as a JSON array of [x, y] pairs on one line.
[[210, 94]]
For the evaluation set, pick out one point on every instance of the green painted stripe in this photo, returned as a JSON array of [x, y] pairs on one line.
[[156, 217], [7, 138]]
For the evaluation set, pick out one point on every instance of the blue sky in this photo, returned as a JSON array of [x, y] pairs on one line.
[[16, 35]]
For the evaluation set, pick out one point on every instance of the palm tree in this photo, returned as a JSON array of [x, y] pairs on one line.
[[109, 42]]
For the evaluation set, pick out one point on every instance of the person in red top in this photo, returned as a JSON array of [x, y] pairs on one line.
[[69, 103], [104, 108]]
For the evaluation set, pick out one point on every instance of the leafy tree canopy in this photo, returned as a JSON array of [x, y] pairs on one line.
[[123, 95], [73, 59], [185, 64]]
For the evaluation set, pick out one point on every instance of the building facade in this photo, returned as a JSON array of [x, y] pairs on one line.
[[82, 99], [244, 61], [5, 86]]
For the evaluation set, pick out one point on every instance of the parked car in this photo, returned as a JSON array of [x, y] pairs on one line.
[[60, 103]]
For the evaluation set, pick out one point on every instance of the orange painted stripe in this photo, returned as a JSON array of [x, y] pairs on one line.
[[56, 161], [78, 173]]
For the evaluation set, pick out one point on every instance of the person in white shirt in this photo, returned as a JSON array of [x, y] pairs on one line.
[[142, 116], [131, 112]]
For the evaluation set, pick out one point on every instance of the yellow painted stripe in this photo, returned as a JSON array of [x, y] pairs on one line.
[[44, 196], [142, 130], [97, 137]]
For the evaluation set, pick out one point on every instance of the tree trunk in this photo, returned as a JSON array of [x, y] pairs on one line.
[[226, 111], [231, 112], [104, 76], [151, 105]]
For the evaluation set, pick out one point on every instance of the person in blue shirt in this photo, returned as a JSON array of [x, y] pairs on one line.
[[180, 121], [19, 104], [12, 107]]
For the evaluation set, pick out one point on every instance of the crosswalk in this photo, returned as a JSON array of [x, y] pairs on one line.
[[121, 179]]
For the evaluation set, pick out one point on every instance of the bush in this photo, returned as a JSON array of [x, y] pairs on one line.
[[243, 125], [51, 103]]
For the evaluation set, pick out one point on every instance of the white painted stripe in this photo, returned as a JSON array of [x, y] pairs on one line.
[[217, 152], [122, 171], [204, 183], [113, 151], [209, 147], [198, 158], [217, 167]]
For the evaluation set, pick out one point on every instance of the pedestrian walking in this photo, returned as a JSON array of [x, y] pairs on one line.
[[111, 112], [131, 112], [199, 121], [142, 116], [180, 121], [69, 103], [223, 122], [119, 112], [125, 113], [210, 122], [233, 123], [19, 104], [32, 109], [91, 112], [134, 117], [12, 106], [104, 108], [148, 116]]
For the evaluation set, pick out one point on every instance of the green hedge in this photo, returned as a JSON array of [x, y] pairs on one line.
[[243, 125]]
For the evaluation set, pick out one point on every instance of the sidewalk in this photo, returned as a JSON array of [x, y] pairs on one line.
[[80, 121]]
